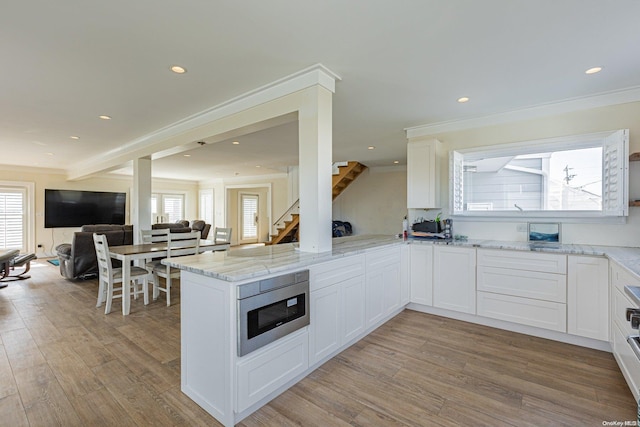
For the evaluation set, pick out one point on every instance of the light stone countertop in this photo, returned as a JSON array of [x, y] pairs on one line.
[[239, 264]]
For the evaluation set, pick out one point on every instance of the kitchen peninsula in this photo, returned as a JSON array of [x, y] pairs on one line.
[[366, 280]]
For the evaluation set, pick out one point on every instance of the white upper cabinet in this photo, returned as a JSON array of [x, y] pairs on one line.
[[423, 174]]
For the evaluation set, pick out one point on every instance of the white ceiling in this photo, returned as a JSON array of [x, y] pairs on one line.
[[402, 64]]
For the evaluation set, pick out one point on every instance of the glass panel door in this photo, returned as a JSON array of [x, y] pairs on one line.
[[249, 218]]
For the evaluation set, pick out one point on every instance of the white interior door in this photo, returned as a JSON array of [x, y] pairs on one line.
[[248, 213]]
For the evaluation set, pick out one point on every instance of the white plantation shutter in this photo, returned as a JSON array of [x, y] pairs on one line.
[[615, 174], [12, 218], [206, 206], [456, 169]]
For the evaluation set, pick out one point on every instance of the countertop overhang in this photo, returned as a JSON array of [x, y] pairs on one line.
[[240, 264]]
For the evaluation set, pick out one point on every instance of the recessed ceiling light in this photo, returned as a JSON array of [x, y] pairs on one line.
[[593, 70], [463, 100], [187, 155], [395, 162], [236, 143], [105, 117], [371, 147], [74, 137], [258, 166], [49, 154], [178, 69]]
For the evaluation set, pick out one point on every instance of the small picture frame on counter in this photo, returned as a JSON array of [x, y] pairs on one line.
[[544, 232]]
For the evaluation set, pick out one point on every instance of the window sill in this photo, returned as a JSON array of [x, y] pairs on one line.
[[531, 217]]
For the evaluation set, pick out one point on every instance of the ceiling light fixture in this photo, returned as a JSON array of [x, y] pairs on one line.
[[49, 154], [187, 155], [235, 143], [593, 70], [258, 166], [371, 147], [178, 69], [463, 100], [74, 137], [103, 117], [395, 162]]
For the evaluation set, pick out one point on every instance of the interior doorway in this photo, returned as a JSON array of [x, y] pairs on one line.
[[248, 213], [249, 218]]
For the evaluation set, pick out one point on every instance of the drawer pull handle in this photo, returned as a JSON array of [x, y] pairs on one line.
[[634, 343]]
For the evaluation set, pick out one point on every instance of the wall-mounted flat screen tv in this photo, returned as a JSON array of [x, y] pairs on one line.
[[73, 208]]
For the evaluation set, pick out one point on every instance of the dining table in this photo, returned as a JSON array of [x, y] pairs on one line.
[[127, 254]]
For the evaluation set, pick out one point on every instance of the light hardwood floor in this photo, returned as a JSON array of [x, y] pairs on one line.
[[63, 362]]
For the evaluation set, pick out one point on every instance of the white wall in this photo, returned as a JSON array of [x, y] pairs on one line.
[[376, 202], [622, 116], [49, 238]]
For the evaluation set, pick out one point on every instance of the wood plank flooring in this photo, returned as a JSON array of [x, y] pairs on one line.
[[64, 363]]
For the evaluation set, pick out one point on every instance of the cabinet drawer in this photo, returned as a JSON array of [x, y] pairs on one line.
[[383, 257], [330, 273], [270, 369], [621, 278], [525, 311], [627, 360], [620, 304], [529, 284], [530, 261]]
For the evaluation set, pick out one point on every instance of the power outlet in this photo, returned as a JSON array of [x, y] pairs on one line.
[[521, 228]]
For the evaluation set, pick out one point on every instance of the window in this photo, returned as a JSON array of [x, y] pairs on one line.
[[205, 206], [13, 218], [579, 176], [167, 207]]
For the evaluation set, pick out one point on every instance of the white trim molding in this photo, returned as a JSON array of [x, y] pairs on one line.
[[603, 99]]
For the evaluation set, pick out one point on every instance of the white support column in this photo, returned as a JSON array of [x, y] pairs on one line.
[[315, 156], [141, 197]]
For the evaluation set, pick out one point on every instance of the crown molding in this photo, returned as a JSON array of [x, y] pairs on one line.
[[602, 99]]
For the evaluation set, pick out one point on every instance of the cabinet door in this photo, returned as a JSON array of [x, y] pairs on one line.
[[423, 190], [405, 292], [353, 309], [325, 322], [421, 274], [588, 297], [392, 287], [375, 307], [454, 278]]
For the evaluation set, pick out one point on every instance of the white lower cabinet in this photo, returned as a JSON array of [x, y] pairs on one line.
[[588, 297], [454, 278], [336, 306], [528, 288], [383, 284], [337, 317], [525, 311], [266, 371], [421, 274]]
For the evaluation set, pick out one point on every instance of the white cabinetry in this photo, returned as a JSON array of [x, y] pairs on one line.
[[454, 278], [588, 297], [421, 274], [621, 328], [264, 372], [423, 190], [383, 284], [529, 288], [337, 306]]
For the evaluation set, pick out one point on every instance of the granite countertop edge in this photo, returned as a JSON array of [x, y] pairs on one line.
[[243, 264]]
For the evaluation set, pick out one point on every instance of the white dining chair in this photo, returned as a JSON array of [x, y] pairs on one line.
[[178, 244], [154, 235], [109, 276], [222, 235]]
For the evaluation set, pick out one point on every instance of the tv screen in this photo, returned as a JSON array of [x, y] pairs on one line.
[[72, 208]]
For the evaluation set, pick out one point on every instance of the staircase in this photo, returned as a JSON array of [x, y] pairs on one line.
[[288, 225]]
